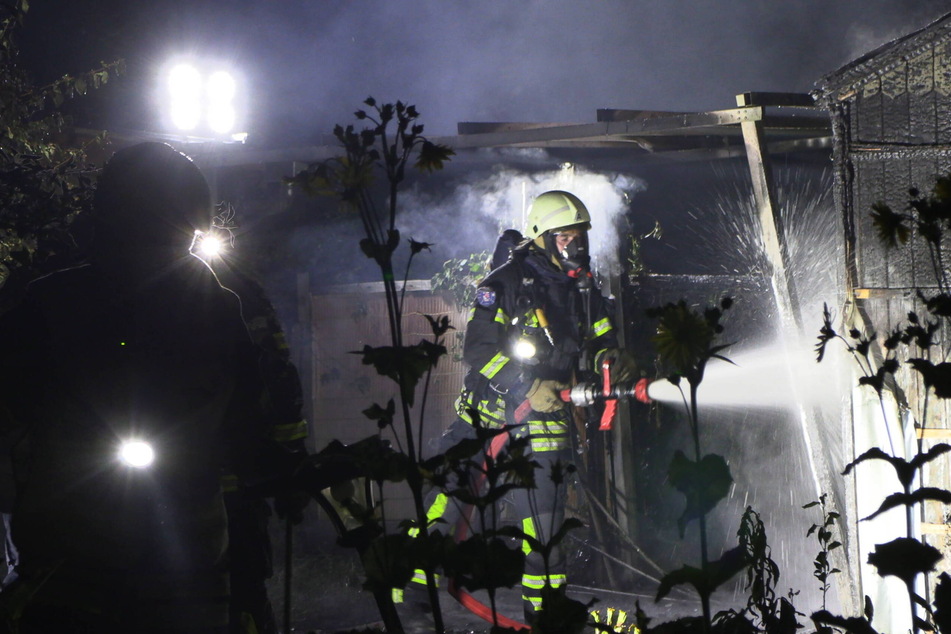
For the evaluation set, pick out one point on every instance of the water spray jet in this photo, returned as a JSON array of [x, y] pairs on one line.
[[759, 378]]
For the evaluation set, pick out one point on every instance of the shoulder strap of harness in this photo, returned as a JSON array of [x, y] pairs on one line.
[[525, 293]]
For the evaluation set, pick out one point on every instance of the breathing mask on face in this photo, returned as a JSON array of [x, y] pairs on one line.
[[568, 247]]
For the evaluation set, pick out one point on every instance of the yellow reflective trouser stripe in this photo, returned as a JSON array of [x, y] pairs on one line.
[[436, 510], [535, 583], [418, 577], [280, 342], [248, 626], [528, 527], [548, 436], [496, 363], [290, 431], [601, 326], [532, 583], [229, 482], [540, 445]]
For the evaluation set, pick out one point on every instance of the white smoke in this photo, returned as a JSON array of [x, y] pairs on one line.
[[477, 211]]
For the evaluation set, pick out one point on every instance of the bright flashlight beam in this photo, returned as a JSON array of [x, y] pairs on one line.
[[136, 453], [524, 349], [211, 246]]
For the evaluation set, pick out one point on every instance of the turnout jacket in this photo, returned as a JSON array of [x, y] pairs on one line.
[[514, 302]]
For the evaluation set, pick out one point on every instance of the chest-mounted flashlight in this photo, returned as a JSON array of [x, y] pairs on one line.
[[137, 454], [524, 349]]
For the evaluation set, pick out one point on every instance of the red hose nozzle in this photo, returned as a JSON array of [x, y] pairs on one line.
[[640, 390]]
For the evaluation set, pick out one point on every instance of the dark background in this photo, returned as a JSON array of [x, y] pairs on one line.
[[307, 65]]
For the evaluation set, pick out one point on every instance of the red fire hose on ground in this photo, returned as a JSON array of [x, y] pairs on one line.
[[465, 599], [581, 395]]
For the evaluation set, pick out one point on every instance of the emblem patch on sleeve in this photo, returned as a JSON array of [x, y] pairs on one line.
[[485, 297]]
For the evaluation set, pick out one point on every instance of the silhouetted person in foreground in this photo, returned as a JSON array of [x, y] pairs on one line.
[[141, 344], [248, 508]]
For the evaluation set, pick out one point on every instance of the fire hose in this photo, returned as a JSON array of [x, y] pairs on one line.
[[588, 393], [583, 394], [335, 464]]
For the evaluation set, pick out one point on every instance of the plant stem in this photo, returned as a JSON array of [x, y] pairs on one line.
[[704, 556]]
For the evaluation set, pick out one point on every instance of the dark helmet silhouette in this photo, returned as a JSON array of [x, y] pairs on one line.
[[151, 192]]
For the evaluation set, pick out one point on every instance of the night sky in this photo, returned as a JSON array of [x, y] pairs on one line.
[[308, 64]]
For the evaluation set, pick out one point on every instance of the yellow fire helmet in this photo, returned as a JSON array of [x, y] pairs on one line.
[[556, 210]]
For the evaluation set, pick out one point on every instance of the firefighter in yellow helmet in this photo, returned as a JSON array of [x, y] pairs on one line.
[[536, 318]]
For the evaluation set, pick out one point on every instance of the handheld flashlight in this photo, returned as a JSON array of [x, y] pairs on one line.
[[137, 454], [206, 245]]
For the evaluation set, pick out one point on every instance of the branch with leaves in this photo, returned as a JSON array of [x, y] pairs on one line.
[[45, 184]]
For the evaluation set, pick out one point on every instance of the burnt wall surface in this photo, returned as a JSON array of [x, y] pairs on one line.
[[891, 114], [892, 118]]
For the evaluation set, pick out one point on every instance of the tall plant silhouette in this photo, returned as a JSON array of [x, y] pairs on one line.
[[686, 342], [485, 560], [392, 141]]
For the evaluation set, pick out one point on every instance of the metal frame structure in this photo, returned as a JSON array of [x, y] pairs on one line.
[[762, 124]]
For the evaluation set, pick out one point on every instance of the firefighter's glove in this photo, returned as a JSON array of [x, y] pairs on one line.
[[623, 366], [545, 395], [290, 505]]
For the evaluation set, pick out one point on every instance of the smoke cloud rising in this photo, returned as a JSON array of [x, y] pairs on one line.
[[475, 212]]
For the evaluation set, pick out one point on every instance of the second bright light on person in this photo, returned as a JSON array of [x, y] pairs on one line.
[[136, 453]]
